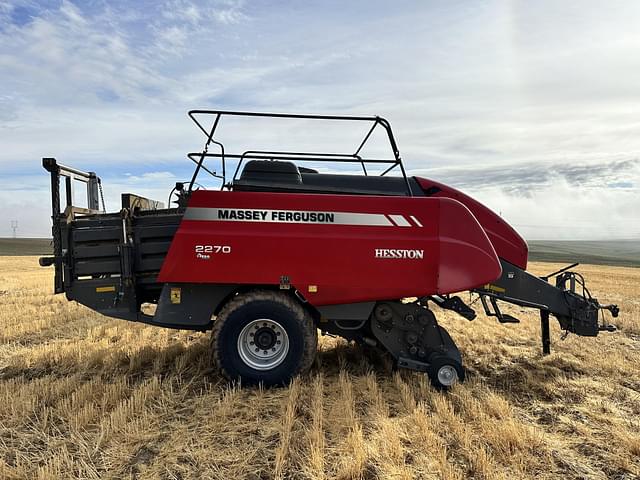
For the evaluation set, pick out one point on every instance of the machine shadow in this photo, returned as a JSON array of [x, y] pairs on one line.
[[534, 377], [189, 362]]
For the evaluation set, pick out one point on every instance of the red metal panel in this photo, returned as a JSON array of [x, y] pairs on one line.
[[506, 241], [464, 249], [340, 261]]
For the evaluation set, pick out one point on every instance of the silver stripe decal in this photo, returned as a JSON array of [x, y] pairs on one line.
[[286, 216], [400, 220], [416, 220]]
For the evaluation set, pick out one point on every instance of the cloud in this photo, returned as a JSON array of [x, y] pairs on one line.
[[562, 211], [525, 178], [149, 176], [556, 200], [533, 100]]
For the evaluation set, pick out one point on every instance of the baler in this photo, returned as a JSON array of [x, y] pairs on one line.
[[279, 251]]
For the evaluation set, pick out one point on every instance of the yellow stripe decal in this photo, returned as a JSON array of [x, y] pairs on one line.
[[494, 288], [110, 288]]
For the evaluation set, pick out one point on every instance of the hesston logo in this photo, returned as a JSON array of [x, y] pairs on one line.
[[399, 253]]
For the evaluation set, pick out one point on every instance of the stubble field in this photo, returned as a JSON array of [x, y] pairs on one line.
[[84, 396]]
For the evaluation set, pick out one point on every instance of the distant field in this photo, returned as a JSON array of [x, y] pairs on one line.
[[625, 253], [615, 252], [25, 246]]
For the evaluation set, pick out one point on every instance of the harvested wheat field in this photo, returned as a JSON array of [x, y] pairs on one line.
[[85, 396]]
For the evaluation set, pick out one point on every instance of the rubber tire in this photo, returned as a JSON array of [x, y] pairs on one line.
[[437, 362], [244, 308]]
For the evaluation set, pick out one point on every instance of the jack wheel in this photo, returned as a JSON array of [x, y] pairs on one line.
[[263, 337], [445, 372]]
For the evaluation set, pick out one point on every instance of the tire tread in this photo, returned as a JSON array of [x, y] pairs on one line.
[[308, 327]]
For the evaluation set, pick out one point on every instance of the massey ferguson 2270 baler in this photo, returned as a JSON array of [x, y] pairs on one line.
[[280, 250]]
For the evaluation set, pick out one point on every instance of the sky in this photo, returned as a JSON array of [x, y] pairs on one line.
[[531, 107]]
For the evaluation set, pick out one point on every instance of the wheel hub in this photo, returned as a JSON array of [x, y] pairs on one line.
[[263, 344], [447, 375], [265, 338]]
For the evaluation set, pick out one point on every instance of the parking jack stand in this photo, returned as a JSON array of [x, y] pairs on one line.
[[546, 337]]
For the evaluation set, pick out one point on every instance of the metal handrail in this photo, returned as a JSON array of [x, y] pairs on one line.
[[199, 157]]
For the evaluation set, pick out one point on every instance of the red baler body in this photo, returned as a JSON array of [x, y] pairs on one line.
[[340, 262], [508, 243]]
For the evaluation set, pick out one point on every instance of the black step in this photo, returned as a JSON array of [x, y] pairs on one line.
[[506, 318]]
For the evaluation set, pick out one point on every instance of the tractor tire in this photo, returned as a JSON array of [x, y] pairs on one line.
[[263, 337], [444, 372]]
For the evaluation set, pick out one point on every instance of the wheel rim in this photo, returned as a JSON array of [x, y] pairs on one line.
[[263, 344], [447, 375]]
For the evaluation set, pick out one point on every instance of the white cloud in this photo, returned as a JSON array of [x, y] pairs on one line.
[[562, 211], [70, 11], [466, 86]]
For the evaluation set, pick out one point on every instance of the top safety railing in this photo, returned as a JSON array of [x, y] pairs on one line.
[[209, 128]]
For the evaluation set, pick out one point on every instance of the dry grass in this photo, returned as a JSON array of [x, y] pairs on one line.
[[86, 396]]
